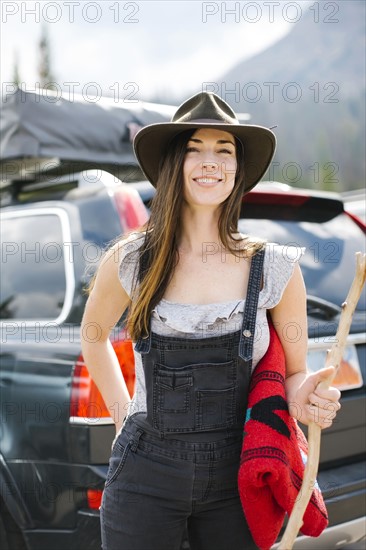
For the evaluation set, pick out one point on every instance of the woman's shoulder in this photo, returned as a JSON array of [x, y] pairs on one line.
[[278, 267], [126, 251], [129, 243], [126, 247]]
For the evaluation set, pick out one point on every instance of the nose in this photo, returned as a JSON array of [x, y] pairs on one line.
[[209, 166]]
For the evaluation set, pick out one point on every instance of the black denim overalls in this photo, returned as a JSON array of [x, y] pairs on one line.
[[177, 463]]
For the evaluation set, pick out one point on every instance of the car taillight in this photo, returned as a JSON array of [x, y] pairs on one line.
[[131, 210], [357, 221], [94, 498], [86, 400]]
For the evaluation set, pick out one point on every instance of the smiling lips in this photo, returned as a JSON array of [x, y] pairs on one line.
[[206, 182]]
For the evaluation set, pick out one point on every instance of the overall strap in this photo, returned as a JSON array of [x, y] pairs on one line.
[[250, 310], [143, 344]]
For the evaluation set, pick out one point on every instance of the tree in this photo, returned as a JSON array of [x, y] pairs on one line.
[[16, 76], [46, 76]]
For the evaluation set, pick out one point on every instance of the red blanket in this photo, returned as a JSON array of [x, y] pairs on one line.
[[273, 455]]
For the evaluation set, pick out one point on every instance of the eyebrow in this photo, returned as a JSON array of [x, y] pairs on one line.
[[221, 141]]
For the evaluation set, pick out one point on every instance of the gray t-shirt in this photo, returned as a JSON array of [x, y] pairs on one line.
[[200, 321]]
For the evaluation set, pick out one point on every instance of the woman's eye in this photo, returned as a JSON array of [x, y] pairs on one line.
[[226, 151], [191, 150]]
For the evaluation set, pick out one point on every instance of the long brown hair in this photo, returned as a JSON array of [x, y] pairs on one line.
[[159, 255]]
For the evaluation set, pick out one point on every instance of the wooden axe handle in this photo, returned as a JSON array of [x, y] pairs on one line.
[[334, 358]]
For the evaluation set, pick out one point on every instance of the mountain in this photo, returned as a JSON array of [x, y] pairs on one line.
[[328, 50], [311, 84]]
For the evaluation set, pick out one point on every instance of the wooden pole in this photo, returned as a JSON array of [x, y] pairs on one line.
[[334, 358]]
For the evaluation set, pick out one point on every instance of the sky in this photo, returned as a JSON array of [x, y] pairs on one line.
[[139, 50]]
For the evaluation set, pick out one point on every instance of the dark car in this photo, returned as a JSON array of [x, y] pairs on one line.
[[56, 219], [331, 236], [62, 203], [56, 432]]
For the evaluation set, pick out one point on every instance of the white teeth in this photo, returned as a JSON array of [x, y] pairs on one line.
[[206, 180]]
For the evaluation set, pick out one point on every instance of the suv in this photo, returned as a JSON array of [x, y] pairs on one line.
[[56, 433], [57, 216]]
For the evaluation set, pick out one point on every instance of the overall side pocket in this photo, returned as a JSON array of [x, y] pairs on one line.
[[117, 461]]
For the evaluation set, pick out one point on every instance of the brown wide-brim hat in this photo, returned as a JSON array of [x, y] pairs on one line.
[[206, 110]]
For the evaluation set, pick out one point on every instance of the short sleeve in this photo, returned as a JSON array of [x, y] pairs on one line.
[[128, 254], [278, 267]]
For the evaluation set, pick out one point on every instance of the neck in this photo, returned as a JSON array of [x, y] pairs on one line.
[[199, 229]]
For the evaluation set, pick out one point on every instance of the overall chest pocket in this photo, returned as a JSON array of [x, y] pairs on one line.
[[215, 408], [215, 394], [194, 397], [173, 391]]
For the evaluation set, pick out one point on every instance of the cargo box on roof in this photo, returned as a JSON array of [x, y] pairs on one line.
[[45, 132]]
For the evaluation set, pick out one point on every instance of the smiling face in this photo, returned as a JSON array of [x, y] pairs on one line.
[[209, 167]]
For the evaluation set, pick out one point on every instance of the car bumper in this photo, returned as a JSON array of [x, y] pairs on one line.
[[86, 535], [343, 536]]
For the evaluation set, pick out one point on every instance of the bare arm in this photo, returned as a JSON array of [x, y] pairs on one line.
[[105, 305], [290, 320]]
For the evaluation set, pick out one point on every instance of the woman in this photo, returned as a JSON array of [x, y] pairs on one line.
[[193, 285]]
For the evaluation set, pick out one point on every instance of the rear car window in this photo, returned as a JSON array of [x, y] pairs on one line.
[[328, 265], [33, 281]]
